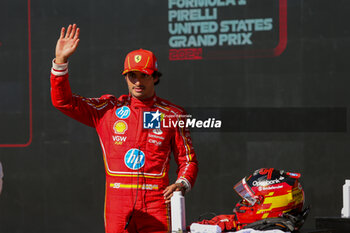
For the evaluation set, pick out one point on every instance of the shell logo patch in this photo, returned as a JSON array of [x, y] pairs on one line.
[[138, 58], [120, 127]]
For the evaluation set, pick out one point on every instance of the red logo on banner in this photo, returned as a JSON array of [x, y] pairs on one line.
[[185, 54]]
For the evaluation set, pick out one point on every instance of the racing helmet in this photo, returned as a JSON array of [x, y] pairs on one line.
[[268, 193]]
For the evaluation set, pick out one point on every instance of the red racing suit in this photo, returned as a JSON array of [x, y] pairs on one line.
[[136, 158]]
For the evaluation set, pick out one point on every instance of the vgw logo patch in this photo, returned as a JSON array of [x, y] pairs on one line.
[[151, 120]]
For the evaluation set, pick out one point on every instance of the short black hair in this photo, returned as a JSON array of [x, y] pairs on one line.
[[155, 75]]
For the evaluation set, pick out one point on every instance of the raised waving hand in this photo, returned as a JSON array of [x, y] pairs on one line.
[[67, 43]]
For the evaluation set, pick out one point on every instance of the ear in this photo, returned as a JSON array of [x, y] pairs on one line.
[[155, 79]]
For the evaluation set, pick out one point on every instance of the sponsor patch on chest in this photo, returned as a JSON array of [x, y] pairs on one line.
[[123, 112], [134, 159]]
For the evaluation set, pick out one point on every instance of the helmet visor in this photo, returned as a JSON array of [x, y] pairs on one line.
[[245, 191]]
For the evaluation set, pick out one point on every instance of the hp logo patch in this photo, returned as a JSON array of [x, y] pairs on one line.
[[123, 112], [151, 120], [134, 159]]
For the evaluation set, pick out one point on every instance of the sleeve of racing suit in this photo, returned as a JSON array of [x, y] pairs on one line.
[[185, 158], [85, 110]]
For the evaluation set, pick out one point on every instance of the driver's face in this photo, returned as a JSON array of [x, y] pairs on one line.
[[140, 85]]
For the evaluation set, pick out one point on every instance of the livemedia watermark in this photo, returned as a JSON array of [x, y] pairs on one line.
[[253, 119], [157, 120]]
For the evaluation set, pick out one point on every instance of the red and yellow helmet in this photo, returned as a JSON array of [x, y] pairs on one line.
[[268, 193]]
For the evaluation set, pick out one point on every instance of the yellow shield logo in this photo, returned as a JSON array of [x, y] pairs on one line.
[[138, 58]]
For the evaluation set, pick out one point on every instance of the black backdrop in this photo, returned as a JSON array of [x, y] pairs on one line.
[[54, 175]]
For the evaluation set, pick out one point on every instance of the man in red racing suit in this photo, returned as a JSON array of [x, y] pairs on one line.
[[136, 158]]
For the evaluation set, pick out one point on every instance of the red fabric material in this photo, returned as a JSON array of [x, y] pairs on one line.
[[225, 222], [123, 140]]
